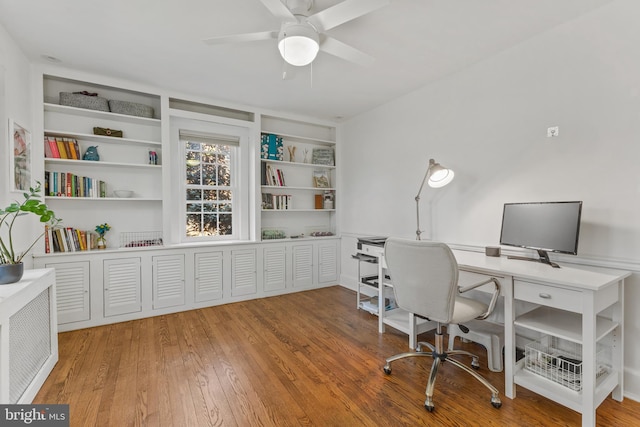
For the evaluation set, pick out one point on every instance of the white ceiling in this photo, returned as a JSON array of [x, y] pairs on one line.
[[159, 42]]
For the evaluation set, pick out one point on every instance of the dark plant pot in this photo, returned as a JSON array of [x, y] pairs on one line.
[[11, 273]]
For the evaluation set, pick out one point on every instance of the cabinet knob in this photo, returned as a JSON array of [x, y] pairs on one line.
[[545, 296]]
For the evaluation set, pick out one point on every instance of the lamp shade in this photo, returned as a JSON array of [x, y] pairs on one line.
[[298, 44], [440, 176]]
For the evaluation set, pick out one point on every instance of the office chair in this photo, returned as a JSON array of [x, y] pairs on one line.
[[425, 282]]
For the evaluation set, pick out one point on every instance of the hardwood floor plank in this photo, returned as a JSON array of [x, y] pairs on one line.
[[302, 359]]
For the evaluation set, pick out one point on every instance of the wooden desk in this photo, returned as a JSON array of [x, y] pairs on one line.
[[579, 304]]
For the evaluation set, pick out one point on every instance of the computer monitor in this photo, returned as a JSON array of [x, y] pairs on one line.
[[543, 226]]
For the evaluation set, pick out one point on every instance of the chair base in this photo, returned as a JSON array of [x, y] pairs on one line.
[[439, 356]]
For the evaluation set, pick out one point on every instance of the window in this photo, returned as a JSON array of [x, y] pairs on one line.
[[211, 196]]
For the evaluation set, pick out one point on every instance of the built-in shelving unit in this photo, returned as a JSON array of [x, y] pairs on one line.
[[301, 214], [124, 163]]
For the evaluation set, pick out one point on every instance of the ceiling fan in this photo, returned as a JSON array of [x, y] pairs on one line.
[[302, 34]]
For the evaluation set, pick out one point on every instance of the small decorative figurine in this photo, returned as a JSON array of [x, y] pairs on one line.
[[305, 152], [91, 154], [292, 153]]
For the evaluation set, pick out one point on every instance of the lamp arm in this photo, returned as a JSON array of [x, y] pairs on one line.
[[417, 198]]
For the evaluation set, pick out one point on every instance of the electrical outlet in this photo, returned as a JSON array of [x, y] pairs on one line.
[[553, 131]]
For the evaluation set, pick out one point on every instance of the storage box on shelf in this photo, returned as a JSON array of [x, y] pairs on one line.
[[83, 168], [290, 182]]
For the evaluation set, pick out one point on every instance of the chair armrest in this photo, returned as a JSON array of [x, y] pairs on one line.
[[494, 295]]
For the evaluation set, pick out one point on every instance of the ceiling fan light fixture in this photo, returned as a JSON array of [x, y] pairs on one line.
[[298, 44]]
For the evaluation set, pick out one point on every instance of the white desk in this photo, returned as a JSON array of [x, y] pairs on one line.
[[571, 301]]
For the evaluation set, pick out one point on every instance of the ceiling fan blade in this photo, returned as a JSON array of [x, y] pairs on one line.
[[239, 38], [341, 50], [278, 9], [343, 12]]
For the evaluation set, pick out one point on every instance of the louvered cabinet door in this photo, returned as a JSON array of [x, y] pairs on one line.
[[168, 281], [122, 286], [244, 280], [72, 291], [208, 276], [275, 273], [327, 262], [302, 265]]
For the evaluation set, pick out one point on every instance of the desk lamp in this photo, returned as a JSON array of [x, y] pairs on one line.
[[438, 176]]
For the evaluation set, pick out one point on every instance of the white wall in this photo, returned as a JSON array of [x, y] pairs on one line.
[[489, 124], [16, 103]]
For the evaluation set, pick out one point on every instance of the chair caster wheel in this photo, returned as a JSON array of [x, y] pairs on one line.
[[428, 404], [495, 401], [387, 369]]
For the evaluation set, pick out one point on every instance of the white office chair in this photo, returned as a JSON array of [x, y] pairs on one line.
[[425, 282]]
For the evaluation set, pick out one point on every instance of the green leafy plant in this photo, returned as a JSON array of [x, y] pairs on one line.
[[102, 229], [8, 217]]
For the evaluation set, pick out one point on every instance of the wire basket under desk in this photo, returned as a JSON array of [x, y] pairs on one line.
[[560, 361]]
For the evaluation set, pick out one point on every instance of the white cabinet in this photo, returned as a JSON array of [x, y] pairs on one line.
[[302, 265], [292, 202], [327, 262], [72, 290], [28, 335], [275, 268], [244, 280], [168, 281], [72, 184], [208, 276], [122, 286], [102, 287]]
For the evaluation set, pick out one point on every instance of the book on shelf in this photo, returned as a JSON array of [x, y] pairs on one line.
[[61, 148], [276, 201], [274, 176], [68, 239], [66, 184]]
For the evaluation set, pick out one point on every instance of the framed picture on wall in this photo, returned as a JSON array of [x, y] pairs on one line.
[[20, 157]]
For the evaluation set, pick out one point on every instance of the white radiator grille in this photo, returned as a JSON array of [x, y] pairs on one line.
[[29, 344]]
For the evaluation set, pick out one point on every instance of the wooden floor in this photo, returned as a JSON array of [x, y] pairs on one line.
[[308, 358]]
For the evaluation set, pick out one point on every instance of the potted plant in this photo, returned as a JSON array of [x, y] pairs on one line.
[[11, 266]]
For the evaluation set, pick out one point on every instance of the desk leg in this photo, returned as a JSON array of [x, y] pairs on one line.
[[381, 307], [509, 338], [588, 359], [617, 352]]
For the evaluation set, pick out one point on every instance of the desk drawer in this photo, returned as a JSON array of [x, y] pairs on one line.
[[549, 296]]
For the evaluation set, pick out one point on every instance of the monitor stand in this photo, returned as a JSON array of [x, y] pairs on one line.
[[544, 258]]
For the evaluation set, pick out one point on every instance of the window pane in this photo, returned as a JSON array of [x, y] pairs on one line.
[[225, 224], [194, 194], [224, 174], [209, 207], [209, 225], [194, 207], [210, 195], [193, 174], [208, 174], [194, 225], [224, 195]]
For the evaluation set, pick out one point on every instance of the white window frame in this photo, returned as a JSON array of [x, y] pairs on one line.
[[241, 190]]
